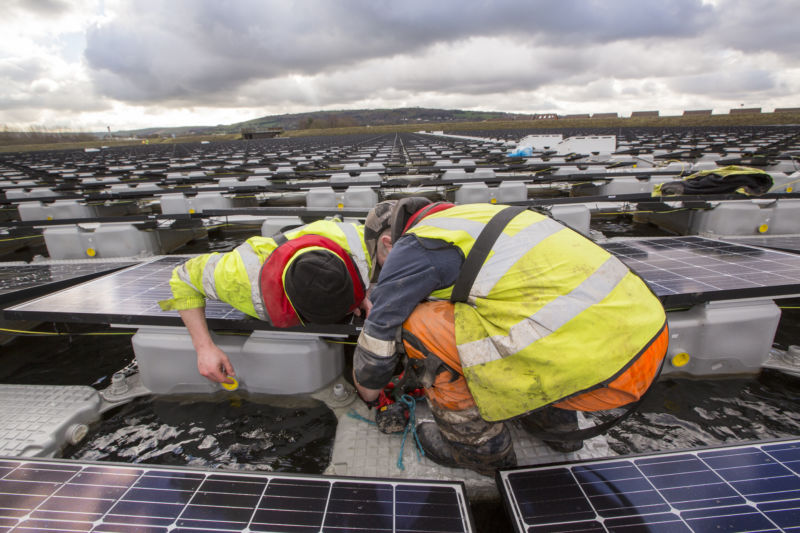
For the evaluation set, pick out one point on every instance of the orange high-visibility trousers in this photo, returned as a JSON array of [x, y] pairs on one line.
[[432, 323]]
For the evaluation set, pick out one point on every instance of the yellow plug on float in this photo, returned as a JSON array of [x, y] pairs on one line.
[[230, 386], [680, 359]]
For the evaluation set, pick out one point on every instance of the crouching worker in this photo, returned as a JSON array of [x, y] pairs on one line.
[[315, 274], [505, 314]]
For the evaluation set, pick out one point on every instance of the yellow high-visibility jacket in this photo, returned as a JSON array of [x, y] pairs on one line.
[[233, 277], [550, 313]]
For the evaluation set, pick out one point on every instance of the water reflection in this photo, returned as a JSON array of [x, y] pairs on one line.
[[220, 432]]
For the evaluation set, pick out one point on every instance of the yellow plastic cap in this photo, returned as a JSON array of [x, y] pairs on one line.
[[230, 386], [680, 359], [763, 228], [91, 252]]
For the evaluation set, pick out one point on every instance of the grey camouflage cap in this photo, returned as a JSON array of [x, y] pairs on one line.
[[378, 220]]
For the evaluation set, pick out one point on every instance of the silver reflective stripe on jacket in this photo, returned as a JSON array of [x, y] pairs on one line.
[[183, 275], [252, 264], [356, 251], [506, 252], [208, 277], [548, 319]]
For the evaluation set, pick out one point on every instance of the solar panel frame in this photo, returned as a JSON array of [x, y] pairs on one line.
[[60, 494], [742, 487]]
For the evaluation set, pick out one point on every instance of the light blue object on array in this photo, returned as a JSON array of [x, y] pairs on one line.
[[522, 151]]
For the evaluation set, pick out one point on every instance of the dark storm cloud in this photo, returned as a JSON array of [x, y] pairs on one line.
[[764, 26], [187, 50]]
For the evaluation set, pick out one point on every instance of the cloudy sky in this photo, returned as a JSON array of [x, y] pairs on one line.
[[93, 64]]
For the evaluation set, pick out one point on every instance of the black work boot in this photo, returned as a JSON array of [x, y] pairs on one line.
[[436, 448], [552, 420], [497, 452]]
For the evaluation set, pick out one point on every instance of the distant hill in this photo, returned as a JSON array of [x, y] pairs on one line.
[[338, 119], [370, 117]]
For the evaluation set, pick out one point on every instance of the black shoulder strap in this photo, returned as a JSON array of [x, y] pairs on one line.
[[280, 238], [480, 251]]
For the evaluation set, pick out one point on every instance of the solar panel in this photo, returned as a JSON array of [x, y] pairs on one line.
[[19, 281], [739, 488], [71, 496], [689, 270], [788, 243], [131, 296]]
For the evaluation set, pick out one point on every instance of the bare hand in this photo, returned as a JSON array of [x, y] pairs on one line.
[[363, 308], [214, 364]]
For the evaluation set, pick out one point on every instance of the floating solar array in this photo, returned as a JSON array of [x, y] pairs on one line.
[[688, 270], [70, 496], [18, 281], [131, 296], [740, 488], [282, 164]]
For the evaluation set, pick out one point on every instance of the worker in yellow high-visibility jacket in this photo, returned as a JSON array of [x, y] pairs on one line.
[[318, 273], [547, 324]]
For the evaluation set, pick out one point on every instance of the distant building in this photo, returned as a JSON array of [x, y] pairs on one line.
[[545, 116], [605, 115], [578, 115], [644, 114], [787, 109], [743, 110], [697, 112], [254, 133]]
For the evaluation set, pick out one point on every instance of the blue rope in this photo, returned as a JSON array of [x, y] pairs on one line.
[[411, 403], [352, 414]]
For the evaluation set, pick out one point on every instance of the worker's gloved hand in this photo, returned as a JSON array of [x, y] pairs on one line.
[[374, 361], [391, 418]]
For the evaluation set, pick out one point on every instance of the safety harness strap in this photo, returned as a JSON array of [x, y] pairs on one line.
[[480, 251], [430, 367]]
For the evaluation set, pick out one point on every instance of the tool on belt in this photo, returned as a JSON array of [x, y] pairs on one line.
[[392, 404]]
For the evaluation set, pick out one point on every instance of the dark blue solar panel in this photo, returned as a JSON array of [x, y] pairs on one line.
[[131, 296], [739, 488], [39, 495], [688, 270], [26, 281]]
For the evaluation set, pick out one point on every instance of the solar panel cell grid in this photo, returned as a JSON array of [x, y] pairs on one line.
[[745, 488], [686, 270], [61, 496]]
